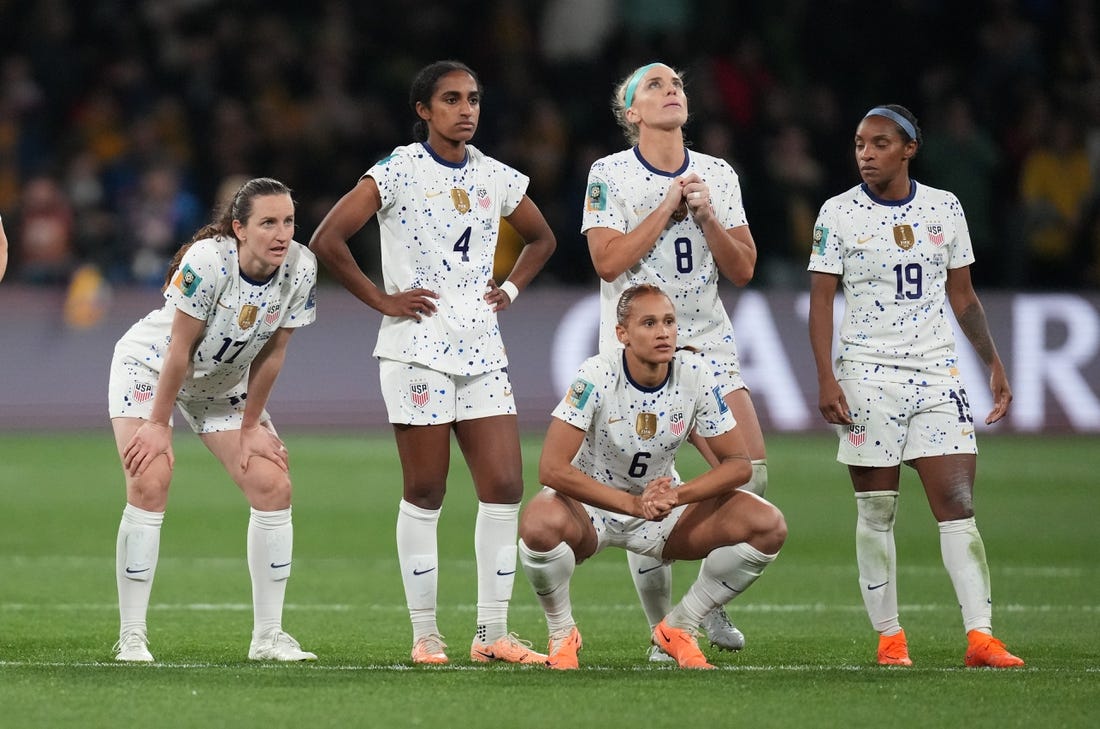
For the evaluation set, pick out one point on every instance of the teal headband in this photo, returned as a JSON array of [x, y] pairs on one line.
[[895, 117], [632, 85]]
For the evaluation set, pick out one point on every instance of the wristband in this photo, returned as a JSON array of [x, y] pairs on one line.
[[510, 288]]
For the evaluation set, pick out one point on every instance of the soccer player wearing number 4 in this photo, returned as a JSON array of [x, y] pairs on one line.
[[608, 462], [439, 202], [901, 251], [658, 213]]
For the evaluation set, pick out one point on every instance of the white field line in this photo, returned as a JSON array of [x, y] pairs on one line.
[[742, 606], [645, 668]]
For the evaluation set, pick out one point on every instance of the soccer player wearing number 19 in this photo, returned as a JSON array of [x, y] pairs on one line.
[[439, 202], [901, 250]]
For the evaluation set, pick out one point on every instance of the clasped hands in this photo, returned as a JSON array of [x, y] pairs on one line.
[[658, 500]]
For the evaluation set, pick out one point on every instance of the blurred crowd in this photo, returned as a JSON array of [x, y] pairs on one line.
[[124, 122]]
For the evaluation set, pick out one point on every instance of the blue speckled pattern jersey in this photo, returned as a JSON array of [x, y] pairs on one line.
[[439, 225], [240, 314], [632, 432], [893, 257], [680, 262]]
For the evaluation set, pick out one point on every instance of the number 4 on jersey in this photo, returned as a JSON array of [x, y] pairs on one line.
[[462, 245]]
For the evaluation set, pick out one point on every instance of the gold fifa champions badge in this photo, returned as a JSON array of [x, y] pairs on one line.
[[461, 200], [247, 316], [904, 236], [646, 425]]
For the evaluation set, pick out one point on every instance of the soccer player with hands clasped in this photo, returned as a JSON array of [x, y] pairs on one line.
[[441, 359], [661, 214], [608, 467], [902, 252], [233, 297]]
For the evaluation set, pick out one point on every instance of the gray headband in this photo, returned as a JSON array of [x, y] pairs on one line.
[[895, 117]]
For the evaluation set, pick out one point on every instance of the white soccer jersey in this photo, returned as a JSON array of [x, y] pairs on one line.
[[633, 432], [623, 189], [893, 257], [439, 224], [240, 314]]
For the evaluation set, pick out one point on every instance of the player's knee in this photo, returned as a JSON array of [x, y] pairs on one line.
[[771, 532], [268, 492], [876, 509], [543, 523]]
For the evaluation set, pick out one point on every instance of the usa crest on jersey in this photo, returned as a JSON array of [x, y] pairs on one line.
[[272, 314], [143, 391], [935, 234], [857, 434], [676, 423], [419, 393]]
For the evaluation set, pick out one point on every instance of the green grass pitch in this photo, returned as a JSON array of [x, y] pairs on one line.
[[809, 661]]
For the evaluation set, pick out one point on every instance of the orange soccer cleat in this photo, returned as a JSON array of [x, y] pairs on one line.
[[893, 650], [681, 645], [983, 649], [563, 649]]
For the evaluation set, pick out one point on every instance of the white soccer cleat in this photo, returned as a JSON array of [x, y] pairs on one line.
[[278, 646], [723, 633], [656, 654], [133, 647]]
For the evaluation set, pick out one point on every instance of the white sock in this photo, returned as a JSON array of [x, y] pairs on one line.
[[270, 546], [653, 582], [758, 484], [964, 557], [876, 558], [495, 550], [136, 551], [725, 574], [549, 573], [417, 555]]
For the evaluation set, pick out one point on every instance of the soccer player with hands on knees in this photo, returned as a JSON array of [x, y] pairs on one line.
[[901, 253], [442, 363], [233, 297], [608, 467], [660, 213]]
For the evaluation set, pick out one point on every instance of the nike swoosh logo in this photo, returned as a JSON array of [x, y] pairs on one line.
[[875, 587], [969, 431], [643, 570], [543, 594], [135, 572], [430, 195], [485, 655], [731, 589], [507, 393], [615, 420], [417, 573], [224, 306], [861, 241], [505, 574], [279, 566]]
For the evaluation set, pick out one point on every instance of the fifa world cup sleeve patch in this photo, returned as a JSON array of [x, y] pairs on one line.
[[578, 394], [597, 196], [187, 280], [821, 235]]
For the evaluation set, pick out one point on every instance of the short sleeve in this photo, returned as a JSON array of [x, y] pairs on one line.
[[194, 287]]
